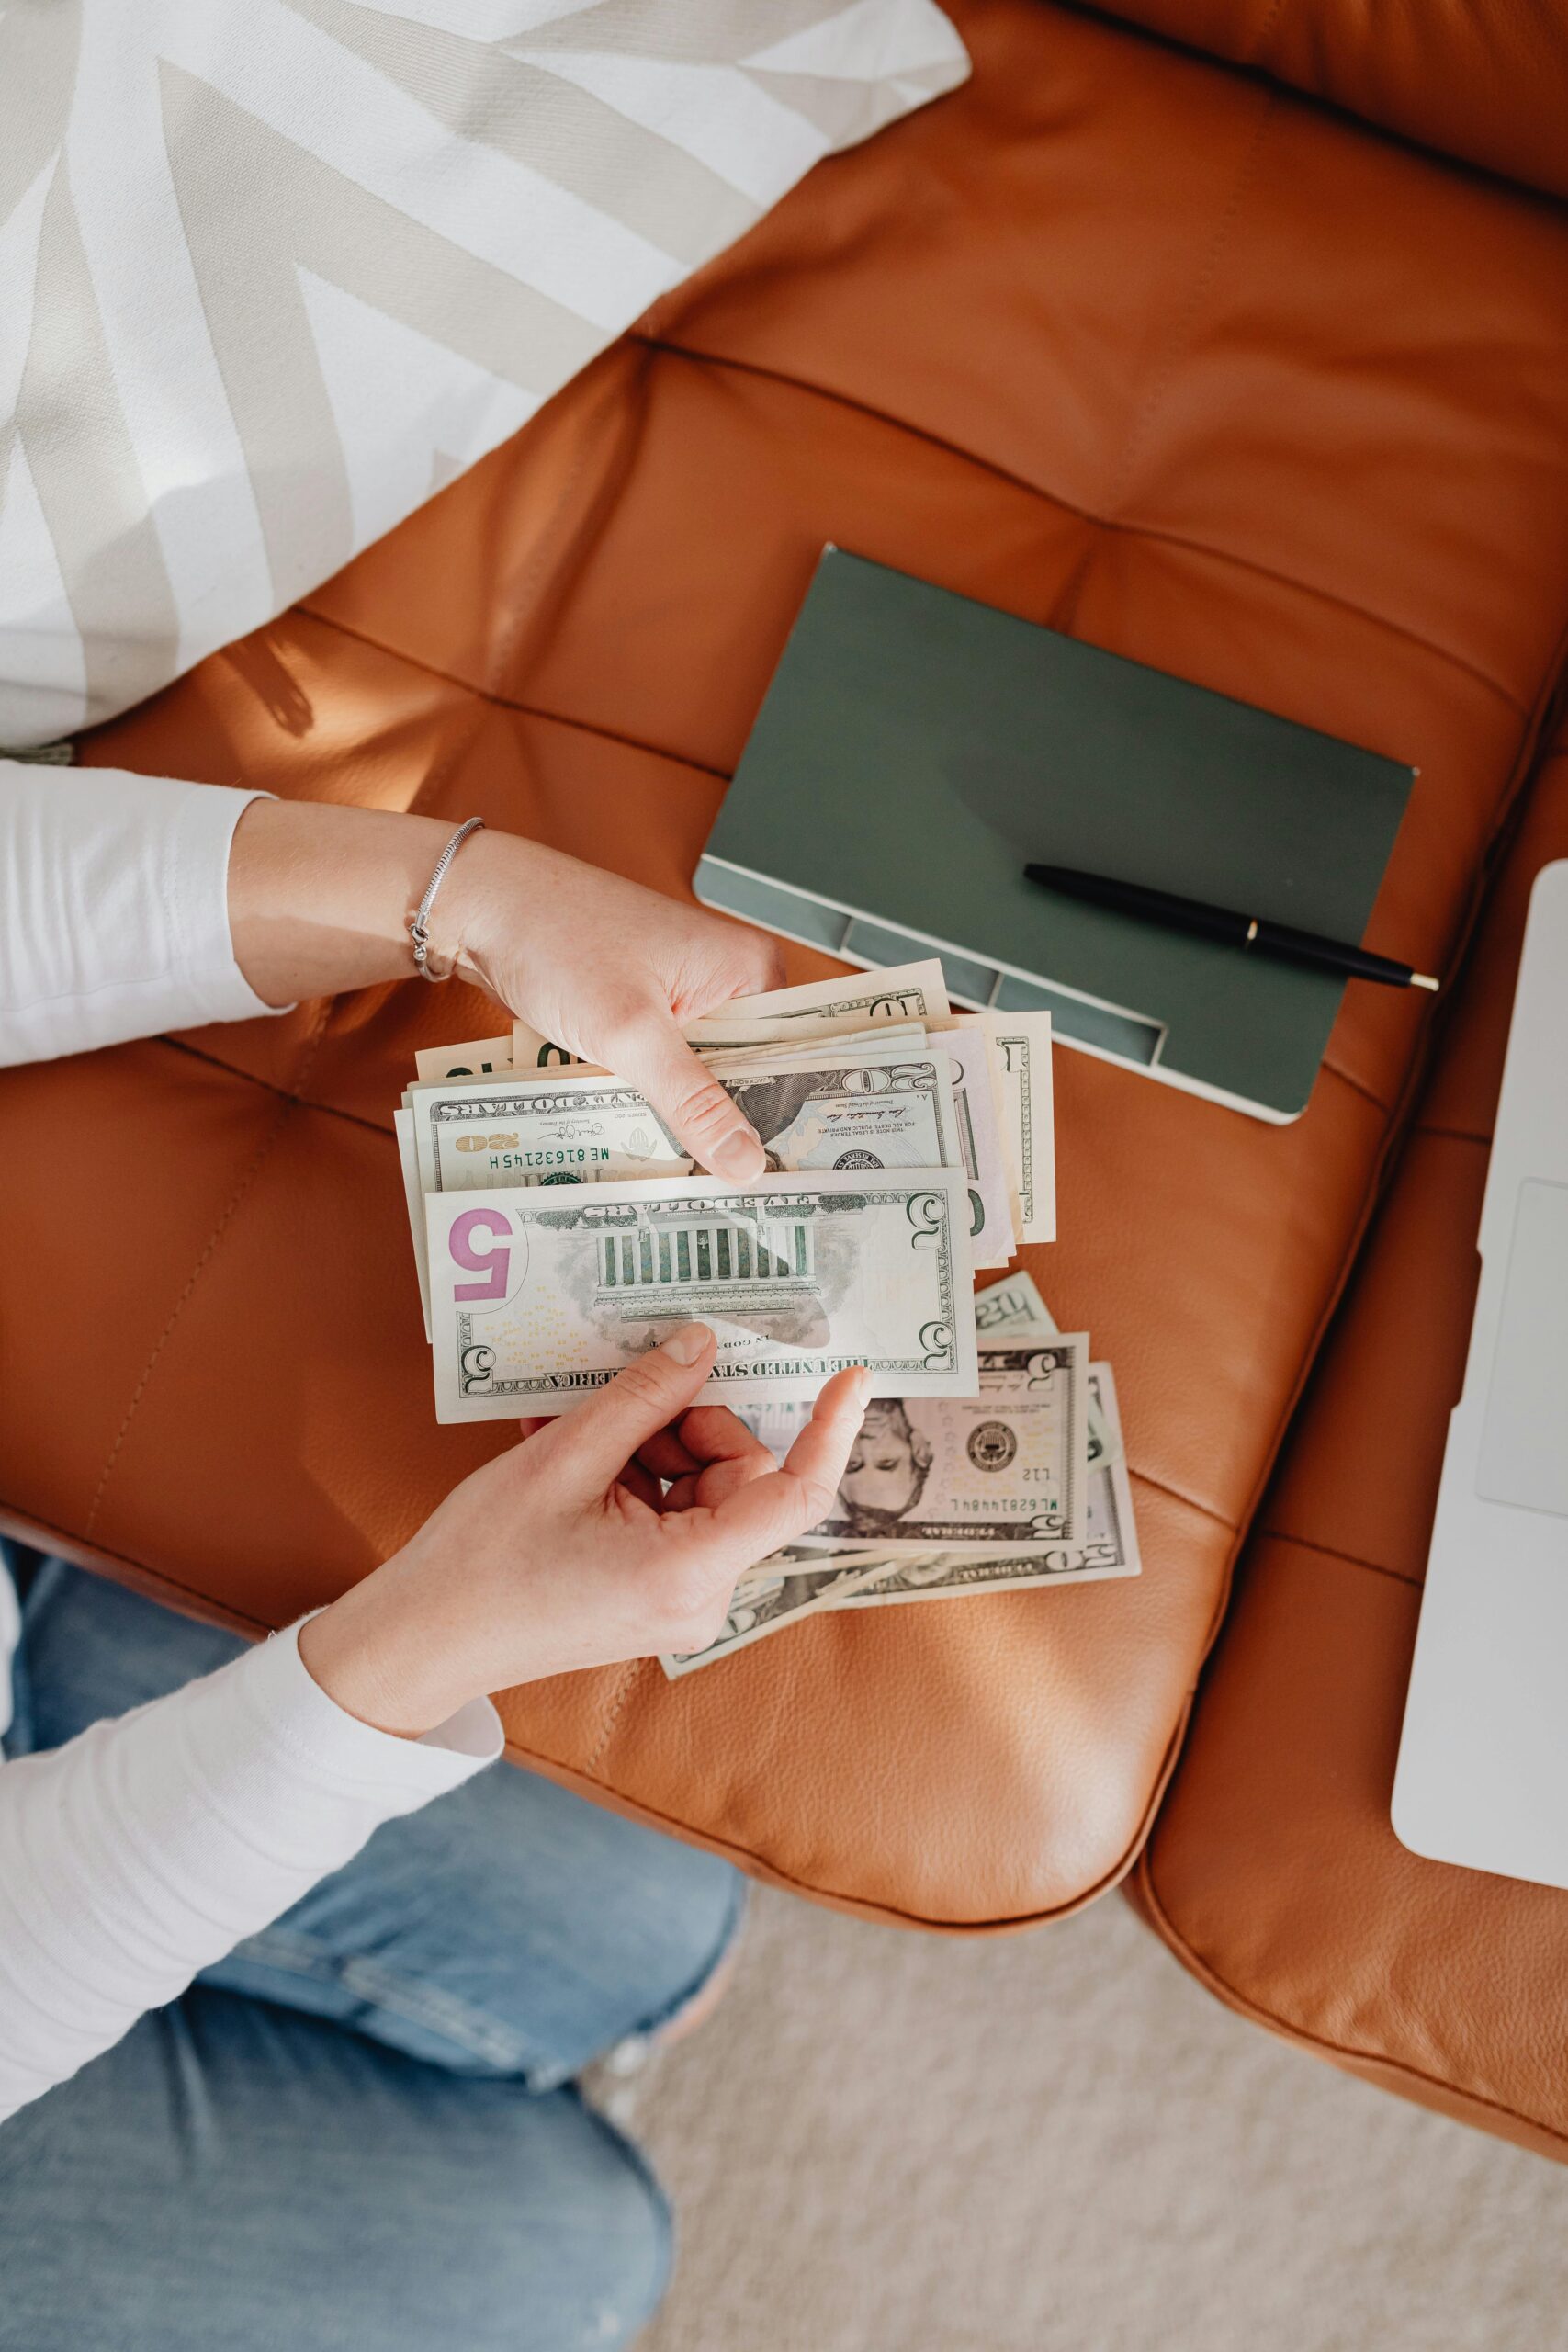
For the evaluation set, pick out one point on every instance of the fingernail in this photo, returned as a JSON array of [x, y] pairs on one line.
[[739, 1158], [687, 1344]]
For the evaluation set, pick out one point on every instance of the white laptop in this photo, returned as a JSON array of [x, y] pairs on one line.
[[1483, 1775]]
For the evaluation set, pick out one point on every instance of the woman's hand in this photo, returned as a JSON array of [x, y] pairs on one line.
[[568, 1553], [611, 971], [319, 898]]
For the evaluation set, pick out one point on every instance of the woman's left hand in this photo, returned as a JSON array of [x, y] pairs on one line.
[[611, 971], [319, 898]]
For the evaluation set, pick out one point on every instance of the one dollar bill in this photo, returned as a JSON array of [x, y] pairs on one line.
[[1020, 1044], [983, 1155]]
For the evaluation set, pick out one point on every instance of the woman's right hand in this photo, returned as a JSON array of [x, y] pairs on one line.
[[568, 1551]]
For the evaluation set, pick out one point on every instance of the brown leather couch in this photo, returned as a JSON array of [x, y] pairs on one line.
[[1157, 351], [1272, 1872]]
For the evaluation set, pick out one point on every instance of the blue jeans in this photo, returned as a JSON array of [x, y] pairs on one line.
[[359, 2130]]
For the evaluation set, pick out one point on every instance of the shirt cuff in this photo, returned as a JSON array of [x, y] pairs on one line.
[[198, 846], [354, 1757], [114, 909]]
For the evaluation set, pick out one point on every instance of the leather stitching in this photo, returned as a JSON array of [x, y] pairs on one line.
[[605, 496], [1377, 1176], [1138, 1856], [271, 1086], [1156, 536], [621, 1693], [535, 567], [435, 776], [1187, 317], [1251, 53]]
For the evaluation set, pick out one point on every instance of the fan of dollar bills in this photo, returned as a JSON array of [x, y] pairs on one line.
[[558, 1232]]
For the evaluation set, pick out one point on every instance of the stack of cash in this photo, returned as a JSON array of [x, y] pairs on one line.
[[1024, 1484], [558, 1232]]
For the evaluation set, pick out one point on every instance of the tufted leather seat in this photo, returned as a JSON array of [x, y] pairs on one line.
[[1115, 338]]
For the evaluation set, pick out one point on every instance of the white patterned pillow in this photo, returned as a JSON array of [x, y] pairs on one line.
[[272, 271]]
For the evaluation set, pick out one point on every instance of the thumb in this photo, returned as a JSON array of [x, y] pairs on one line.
[[597, 1441], [691, 1102]]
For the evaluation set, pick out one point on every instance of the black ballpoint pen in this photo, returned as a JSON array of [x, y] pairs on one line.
[[1221, 923]]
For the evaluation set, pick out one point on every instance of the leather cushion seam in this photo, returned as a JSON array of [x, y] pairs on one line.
[[1333, 1552], [507, 702], [1154, 533], [1483, 1140], [1186, 319]]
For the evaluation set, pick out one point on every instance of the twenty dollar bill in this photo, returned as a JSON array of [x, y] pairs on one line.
[[1109, 1546], [1002, 1470]]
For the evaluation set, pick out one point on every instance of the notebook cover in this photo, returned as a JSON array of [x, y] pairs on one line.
[[916, 750]]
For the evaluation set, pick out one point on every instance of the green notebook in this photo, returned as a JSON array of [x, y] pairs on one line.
[[915, 750]]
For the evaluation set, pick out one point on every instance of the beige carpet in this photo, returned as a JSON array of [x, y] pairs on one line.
[[1058, 2142]]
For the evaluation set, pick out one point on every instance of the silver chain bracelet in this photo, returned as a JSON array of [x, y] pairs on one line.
[[419, 924]]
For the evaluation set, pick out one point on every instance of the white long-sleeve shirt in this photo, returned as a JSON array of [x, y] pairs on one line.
[[147, 1847], [114, 911], [242, 333]]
